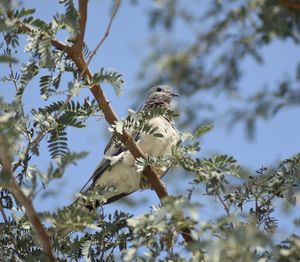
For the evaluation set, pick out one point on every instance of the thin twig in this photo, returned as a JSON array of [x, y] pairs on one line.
[[41, 135], [227, 209], [223, 204], [13, 79], [28, 29], [106, 34], [66, 102], [75, 53], [30, 145], [62, 47], [78, 44]]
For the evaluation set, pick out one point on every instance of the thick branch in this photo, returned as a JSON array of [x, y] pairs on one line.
[[75, 53], [111, 118], [127, 139], [107, 110], [33, 218], [290, 4], [78, 43], [41, 233]]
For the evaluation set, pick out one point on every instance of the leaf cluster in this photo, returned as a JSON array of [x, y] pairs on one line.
[[244, 226], [110, 77], [138, 122], [211, 62]]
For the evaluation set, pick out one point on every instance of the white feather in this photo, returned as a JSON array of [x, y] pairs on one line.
[[123, 175]]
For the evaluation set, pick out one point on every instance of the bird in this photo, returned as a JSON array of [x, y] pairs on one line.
[[117, 169]]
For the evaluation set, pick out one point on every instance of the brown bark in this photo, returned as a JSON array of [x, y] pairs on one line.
[[76, 54]]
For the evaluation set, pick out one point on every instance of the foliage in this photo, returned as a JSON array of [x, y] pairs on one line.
[[245, 227], [110, 77], [208, 61], [138, 122]]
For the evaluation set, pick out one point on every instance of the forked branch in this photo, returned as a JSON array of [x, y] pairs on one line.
[[76, 54], [111, 116]]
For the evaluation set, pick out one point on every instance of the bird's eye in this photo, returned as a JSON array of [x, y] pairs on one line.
[[159, 89]]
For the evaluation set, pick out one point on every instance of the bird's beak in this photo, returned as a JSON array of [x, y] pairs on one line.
[[174, 94]]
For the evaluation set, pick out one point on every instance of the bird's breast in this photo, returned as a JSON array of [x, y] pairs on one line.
[[123, 174], [160, 146]]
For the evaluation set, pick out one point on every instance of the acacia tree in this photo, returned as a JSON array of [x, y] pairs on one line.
[[170, 231]]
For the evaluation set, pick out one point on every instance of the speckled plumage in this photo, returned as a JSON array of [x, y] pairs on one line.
[[122, 174]]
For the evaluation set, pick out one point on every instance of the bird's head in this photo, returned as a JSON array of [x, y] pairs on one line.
[[160, 95]]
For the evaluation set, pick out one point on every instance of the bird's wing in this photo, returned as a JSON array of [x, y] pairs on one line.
[[111, 150]]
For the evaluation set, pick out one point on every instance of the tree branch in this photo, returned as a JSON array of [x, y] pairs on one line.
[[290, 4], [106, 34], [223, 204], [28, 30], [75, 53], [33, 218], [78, 42], [111, 118], [38, 227], [126, 138]]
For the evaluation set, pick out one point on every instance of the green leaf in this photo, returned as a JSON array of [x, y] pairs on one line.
[[70, 19], [57, 144], [24, 12], [203, 129], [28, 70], [45, 82], [7, 59], [109, 77]]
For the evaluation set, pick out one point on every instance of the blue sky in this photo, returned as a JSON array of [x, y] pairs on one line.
[[124, 50]]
